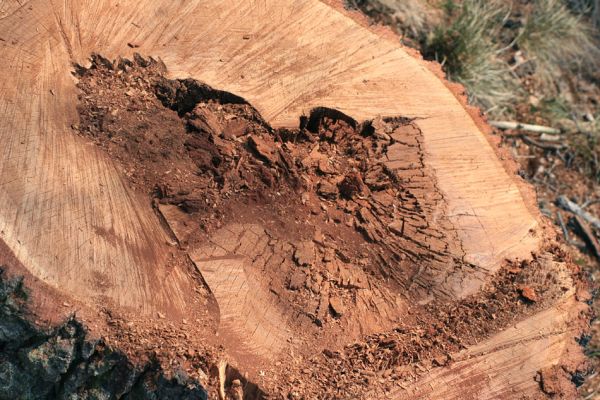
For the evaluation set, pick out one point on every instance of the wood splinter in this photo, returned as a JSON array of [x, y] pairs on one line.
[[222, 368]]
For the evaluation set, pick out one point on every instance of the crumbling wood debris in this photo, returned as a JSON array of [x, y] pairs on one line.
[[528, 293], [566, 204]]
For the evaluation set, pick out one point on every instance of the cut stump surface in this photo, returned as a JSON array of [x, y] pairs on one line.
[[70, 217]]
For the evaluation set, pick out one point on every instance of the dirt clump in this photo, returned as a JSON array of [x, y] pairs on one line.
[[325, 249]]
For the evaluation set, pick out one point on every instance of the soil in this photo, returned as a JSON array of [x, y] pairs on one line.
[[324, 272]]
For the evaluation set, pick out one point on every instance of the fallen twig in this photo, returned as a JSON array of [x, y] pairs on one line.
[[568, 205], [524, 127], [546, 137], [545, 146], [588, 236], [563, 227], [589, 202]]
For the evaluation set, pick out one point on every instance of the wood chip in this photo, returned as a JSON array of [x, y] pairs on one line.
[[528, 293]]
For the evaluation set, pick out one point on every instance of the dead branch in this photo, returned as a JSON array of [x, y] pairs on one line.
[[524, 127], [590, 202], [546, 137], [563, 226], [588, 236], [545, 146], [574, 208]]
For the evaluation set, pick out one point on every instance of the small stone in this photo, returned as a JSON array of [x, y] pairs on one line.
[[236, 390], [315, 283], [304, 198], [160, 315], [550, 380]]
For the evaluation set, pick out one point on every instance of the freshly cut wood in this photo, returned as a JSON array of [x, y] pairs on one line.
[[288, 177]]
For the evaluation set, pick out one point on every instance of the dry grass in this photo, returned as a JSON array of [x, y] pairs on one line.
[[473, 42], [500, 54], [410, 15], [465, 44], [587, 7], [410, 18], [557, 39]]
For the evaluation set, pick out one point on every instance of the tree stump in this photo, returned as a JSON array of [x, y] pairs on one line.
[[72, 222]]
